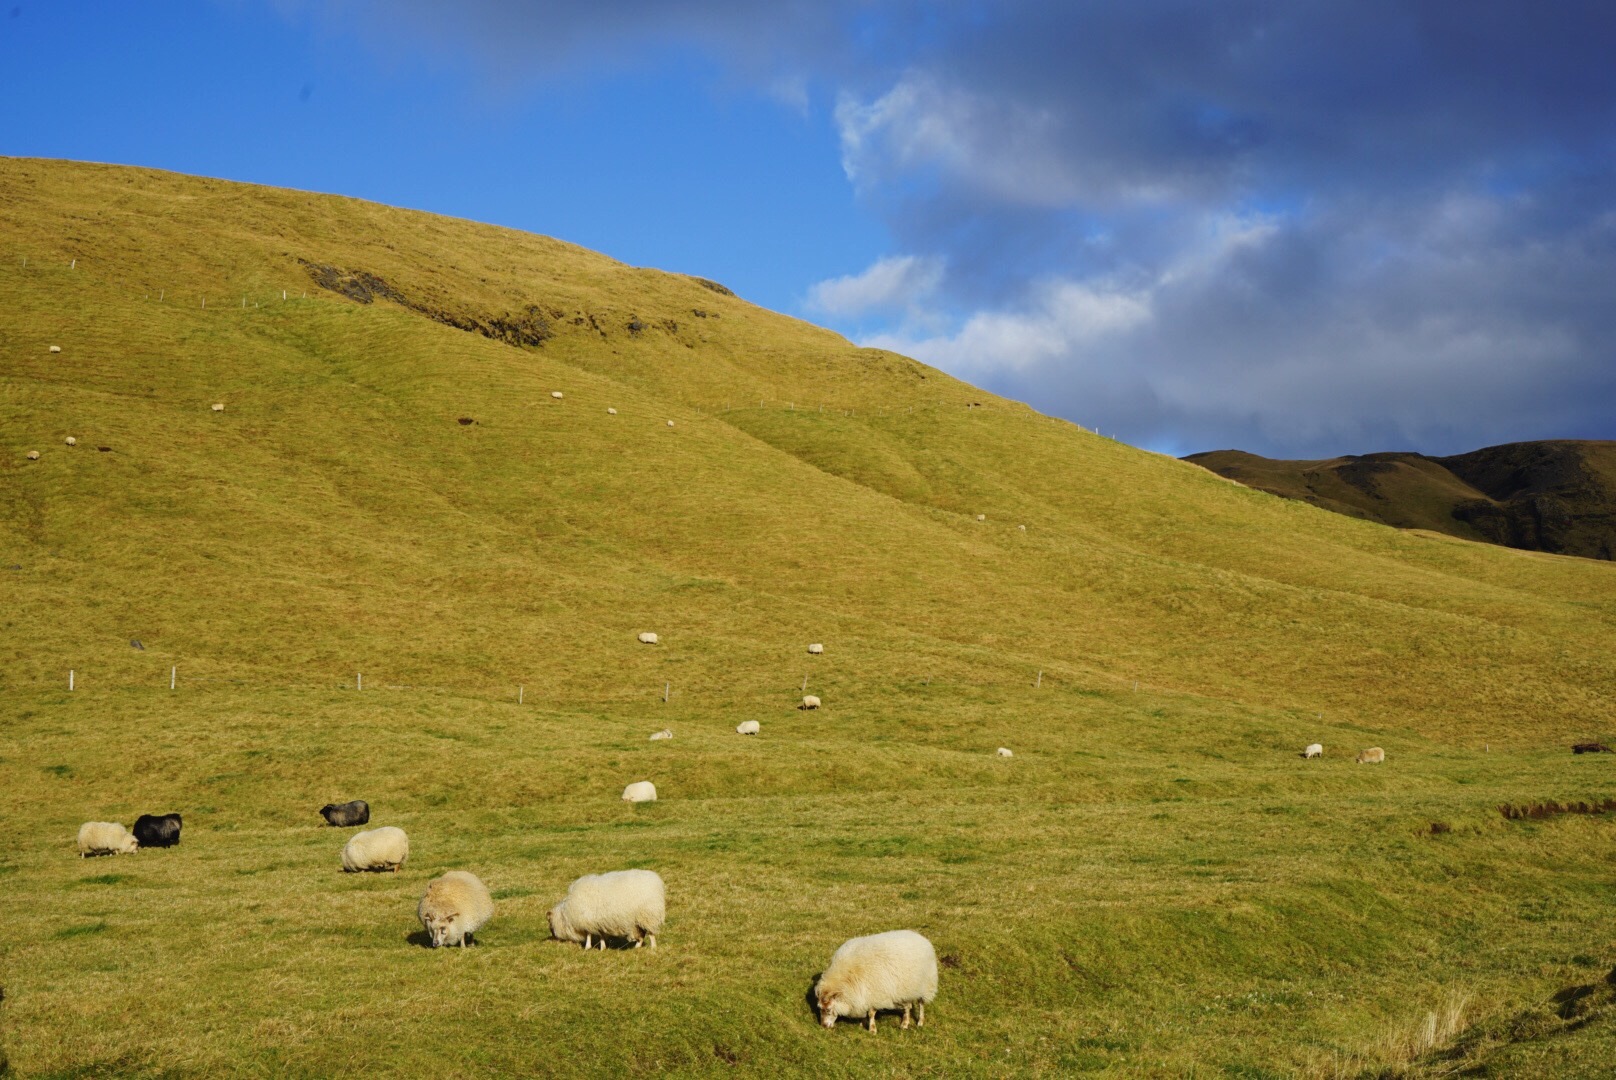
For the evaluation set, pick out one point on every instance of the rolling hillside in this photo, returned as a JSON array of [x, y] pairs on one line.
[[392, 492], [1557, 496]]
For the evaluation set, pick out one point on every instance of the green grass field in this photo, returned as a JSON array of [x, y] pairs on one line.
[[1155, 885]]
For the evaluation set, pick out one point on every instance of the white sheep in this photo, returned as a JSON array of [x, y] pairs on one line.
[[32, 455], [981, 517], [1023, 528], [670, 423], [629, 905], [894, 970], [454, 907], [71, 441], [105, 838], [218, 406], [665, 733], [815, 649], [1005, 751], [385, 848], [1372, 756], [1313, 750], [747, 727], [56, 348], [556, 394], [640, 791], [809, 701], [648, 638], [611, 412]]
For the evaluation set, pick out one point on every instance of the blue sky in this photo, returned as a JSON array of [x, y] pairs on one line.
[[1298, 228]]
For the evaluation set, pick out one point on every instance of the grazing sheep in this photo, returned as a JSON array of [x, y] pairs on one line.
[[71, 441], [385, 848], [454, 907], [894, 970], [346, 814], [670, 423], [665, 733], [809, 701], [629, 905], [105, 838], [218, 406], [1590, 748], [815, 649], [154, 830], [640, 791], [56, 348], [981, 517], [1023, 528], [556, 394], [1313, 750], [1005, 751], [32, 455], [648, 639], [611, 412], [1372, 756], [747, 727]]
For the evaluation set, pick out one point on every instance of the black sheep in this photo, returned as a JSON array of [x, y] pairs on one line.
[[157, 830], [348, 813]]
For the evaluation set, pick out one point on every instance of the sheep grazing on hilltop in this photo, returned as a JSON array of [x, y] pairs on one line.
[[611, 412], [32, 455], [627, 905], [648, 639], [556, 394], [1590, 748], [344, 815], [894, 970], [454, 907], [670, 423], [71, 441], [218, 406], [1005, 751], [105, 838], [1372, 756], [809, 701], [55, 348], [1022, 528], [158, 830], [640, 791], [981, 517], [1313, 750], [815, 649], [385, 848], [663, 734], [747, 727]]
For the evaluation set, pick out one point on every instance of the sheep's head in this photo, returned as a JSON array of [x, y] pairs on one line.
[[440, 925], [558, 924], [828, 1002]]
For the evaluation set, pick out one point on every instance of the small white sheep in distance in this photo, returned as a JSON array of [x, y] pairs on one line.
[[556, 394], [648, 639], [105, 838], [747, 727], [663, 734], [32, 455], [218, 406], [640, 791], [815, 649], [611, 412], [1004, 751], [629, 905], [1372, 756], [454, 907], [809, 701], [1023, 528], [981, 517], [670, 423], [56, 348], [385, 848], [894, 970], [1313, 750], [71, 441]]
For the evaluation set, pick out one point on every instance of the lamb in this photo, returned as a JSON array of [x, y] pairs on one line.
[[648, 639], [747, 727], [154, 830], [894, 970], [665, 733], [454, 907], [105, 838], [385, 848], [809, 701], [218, 406], [640, 791], [1313, 750], [1372, 756], [629, 905], [815, 650], [1005, 751], [346, 814]]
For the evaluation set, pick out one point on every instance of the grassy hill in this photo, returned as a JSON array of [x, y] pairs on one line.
[[1154, 883], [1554, 495]]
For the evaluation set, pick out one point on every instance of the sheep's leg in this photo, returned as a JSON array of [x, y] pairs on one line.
[[589, 942], [603, 943], [905, 1024], [652, 939], [920, 1009], [872, 1019]]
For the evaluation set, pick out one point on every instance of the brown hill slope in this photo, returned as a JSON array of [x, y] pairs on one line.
[[1554, 495]]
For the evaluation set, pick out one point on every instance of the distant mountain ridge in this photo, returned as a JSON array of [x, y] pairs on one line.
[[1555, 495]]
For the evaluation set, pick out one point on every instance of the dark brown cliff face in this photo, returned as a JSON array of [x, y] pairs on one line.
[[1557, 495]]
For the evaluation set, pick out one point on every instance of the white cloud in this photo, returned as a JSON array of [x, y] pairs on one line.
[[897, 282]]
